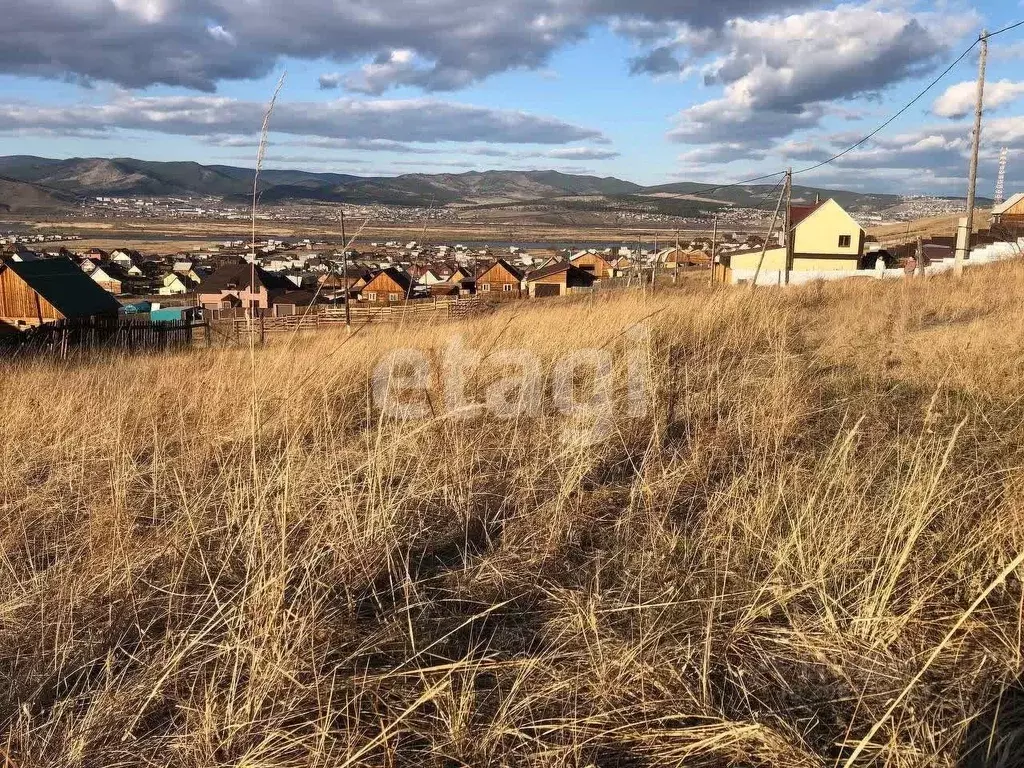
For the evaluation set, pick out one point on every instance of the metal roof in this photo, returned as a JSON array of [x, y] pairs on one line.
[[64, 285]]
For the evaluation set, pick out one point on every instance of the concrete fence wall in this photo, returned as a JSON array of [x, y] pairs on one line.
[[980, 256]]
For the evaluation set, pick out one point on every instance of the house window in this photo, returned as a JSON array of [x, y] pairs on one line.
[[371, 296], [394, 297], [485, 287], [844, 241], [507, 287]]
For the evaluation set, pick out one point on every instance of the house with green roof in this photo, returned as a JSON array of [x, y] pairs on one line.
[[36, 292]]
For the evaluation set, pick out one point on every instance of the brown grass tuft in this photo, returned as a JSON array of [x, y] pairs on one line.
[[792, 560]]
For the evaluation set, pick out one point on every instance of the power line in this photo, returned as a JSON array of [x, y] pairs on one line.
[[868, 137], [1006, 29], [892, 119], [912, 102]]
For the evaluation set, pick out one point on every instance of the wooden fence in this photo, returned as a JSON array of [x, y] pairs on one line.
[[66, 338], [316, 318]]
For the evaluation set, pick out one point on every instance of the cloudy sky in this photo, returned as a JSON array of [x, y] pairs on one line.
[[648, 90]]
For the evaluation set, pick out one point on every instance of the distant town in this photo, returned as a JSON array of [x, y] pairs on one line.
[[907, 208]]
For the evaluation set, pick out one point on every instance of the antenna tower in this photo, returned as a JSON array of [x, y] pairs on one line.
[[1001, 179]]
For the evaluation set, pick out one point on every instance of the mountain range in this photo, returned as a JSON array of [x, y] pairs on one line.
[[28, 183]]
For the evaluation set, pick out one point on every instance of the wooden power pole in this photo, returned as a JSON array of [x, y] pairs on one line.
[[654, 267], [714, 247], [675, 261], [788, 238], [344, 274], [764, 247], [972, 179]]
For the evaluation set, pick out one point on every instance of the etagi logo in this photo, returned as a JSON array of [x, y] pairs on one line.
[[582, 386]]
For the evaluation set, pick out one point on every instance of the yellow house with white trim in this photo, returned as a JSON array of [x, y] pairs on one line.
[[825, 238]]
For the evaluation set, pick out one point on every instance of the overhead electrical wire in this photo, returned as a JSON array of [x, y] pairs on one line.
[[877, 130]]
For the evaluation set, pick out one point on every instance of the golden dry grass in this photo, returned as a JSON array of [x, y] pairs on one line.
[[792, 560]]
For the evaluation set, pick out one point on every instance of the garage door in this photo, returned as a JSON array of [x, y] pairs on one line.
[[540, 290]]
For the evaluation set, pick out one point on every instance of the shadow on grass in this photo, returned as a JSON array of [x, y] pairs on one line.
[[996, 738]]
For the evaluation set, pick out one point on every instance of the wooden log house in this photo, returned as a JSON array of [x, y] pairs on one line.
[[558, 279], [389, 286], [500, 277], [595, 264], [36, 292]]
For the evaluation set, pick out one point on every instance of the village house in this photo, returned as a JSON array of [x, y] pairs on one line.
[[47, 290], [388, 286], [1011, 213], [175, 285], [559, 279], [461, 282], [622, 264], [594, 263], [500, 277], [126, 259], [302, 279], [24, 254], [825, 239], [112, 278], [335, 287], [424, 274], [673, 257], [241, 285]]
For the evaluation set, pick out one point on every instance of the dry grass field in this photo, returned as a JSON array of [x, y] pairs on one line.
[[804, 553]]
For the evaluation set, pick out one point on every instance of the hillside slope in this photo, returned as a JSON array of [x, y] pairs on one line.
[[126, 176], [786, 536], [24, 197]]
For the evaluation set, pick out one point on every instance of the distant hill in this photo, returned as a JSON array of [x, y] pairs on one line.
[[21, 197], [755, 195], [56, 183], [125, 176]]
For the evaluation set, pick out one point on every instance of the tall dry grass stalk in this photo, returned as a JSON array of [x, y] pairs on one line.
[[805, 554], [261, 153]]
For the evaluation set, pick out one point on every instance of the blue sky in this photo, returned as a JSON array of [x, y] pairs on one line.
[[653, 91]]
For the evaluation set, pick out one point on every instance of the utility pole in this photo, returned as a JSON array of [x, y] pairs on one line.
[[344, 274], [972, 181], [788, 242], [764, 248], [675, 261], [640, 266], [654, 264], [714, 247]]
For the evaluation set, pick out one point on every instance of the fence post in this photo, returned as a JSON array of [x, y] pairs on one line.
[[262, 331]]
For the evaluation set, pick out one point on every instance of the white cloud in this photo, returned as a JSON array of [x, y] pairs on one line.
[[437, 45], [782, 75], [959, 100], [409, 120], [220, 34]]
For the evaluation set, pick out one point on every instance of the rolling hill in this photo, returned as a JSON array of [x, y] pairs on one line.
[[56, 183], [126, 176], [25, 197]]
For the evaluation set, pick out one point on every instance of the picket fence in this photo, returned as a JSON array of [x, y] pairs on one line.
[[67, 338], [317, 318]]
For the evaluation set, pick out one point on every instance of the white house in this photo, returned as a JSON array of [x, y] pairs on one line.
[[125, 258], [174, 285]]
